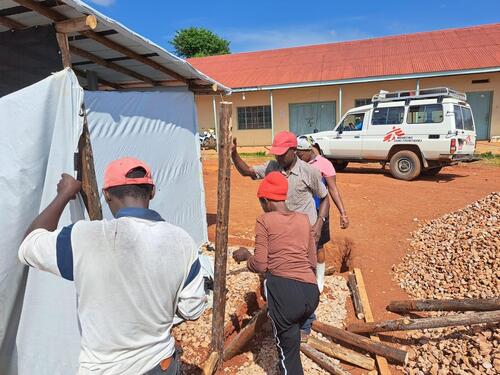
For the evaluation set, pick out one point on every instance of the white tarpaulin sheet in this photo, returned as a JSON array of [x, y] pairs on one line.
[[39, 131], [158, 127]]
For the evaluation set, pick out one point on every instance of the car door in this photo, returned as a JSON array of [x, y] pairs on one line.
[[347, 141]]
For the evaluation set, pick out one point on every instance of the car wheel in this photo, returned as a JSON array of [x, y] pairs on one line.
[[405, 165], [432, 172], [340, 165]]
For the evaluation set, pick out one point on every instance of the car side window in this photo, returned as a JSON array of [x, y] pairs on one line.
[[388, 115], [425, 114], [467, 116], [459, 124], [352, 122]]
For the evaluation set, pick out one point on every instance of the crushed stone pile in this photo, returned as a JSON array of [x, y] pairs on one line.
[[455, 256]]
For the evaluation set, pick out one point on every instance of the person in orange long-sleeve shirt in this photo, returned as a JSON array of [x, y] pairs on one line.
[[285, 251]]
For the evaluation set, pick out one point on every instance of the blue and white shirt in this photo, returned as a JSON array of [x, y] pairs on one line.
[[132, 275]]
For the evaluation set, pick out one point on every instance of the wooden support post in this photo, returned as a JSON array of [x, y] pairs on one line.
[[211, 363], [246, 334], [74, 25], [86, 173], [445, 305], [397, 355], [221, 230], [426, 323], [62, 40], [353, 287], [324, 361], [383, 366], [344, 354]]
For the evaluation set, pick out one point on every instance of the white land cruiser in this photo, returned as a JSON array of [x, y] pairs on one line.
[[415, 132]]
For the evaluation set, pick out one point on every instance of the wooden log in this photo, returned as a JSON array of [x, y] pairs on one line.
[[397, 355], [246, 334], [324, 361], [353, 287], [86, 173], [221, 230], [425, 323], [62, 40], [445, 305], [74, 25], [383, 366], [344, 354], [211, 363]]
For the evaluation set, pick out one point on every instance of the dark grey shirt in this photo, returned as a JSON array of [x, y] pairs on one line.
[[304, 182]]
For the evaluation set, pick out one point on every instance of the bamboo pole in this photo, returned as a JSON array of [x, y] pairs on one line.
[[344, 354], [353, 287], [425, 323], [445, 305], [221, 230], [322, 360], [361, 342], [383, 366], [246, 334]]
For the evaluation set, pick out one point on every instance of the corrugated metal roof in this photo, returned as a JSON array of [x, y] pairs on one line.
[[437, 51], [114, 31]]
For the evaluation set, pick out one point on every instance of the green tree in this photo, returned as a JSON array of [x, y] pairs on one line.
[[199, 42]]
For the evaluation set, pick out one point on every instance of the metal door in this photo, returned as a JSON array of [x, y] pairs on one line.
[[307, 118], [480, 103]]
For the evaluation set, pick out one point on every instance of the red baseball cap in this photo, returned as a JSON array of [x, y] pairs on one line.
[[274, 187], [116, 173], [282, 142]]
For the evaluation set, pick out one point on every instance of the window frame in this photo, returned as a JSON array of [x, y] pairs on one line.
[[340, 125], [256, 118], [368, 101], [424, 105]]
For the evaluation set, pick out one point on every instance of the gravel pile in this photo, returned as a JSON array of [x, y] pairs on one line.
[[195, 336], [455, 256], [263, 358]]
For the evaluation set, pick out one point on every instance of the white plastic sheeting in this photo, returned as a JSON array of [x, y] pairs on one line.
[[39, 131], [158, 127]]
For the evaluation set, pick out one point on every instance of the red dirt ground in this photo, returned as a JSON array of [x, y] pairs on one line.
[[383, 212]]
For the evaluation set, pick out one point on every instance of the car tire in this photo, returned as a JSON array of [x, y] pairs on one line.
[[340, 165], [405, 165], [432, 172]]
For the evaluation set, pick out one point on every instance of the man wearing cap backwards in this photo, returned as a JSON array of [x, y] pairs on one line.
[[132, 274], [325, 167], [285, 251]]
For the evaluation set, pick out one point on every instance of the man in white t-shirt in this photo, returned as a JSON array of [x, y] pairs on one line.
[[132, 274]]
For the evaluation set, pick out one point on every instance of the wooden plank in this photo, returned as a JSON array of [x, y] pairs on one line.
[[10, 23], [383, 366], [211, 364], [467, 304], [324, 361], [353, 287], [221, 230], [426, 323], [62, 40], [246, 334], [101, 81], [111, 65], [74, 25], [361, 342], [344, 354], [86, 173]]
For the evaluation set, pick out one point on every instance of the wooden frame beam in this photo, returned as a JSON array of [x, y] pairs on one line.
[[58, 17], [74, 25], [110, 65], [10, 23], [101, 81]]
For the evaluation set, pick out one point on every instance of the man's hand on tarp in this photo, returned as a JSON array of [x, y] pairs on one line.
[[68, 187]]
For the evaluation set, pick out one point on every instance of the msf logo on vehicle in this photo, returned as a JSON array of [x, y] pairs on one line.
[[393, 134]]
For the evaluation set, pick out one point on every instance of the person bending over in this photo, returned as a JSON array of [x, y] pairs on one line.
[[131, 274], [285, 251]]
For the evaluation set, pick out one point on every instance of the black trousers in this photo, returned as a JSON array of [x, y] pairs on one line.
[[290, 303]]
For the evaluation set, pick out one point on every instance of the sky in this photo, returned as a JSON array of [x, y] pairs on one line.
[[258, 25]]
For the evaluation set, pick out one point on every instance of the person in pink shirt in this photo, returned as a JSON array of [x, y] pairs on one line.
[[306, 153]]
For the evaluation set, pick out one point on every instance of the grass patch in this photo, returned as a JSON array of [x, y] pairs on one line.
[[490, 158]]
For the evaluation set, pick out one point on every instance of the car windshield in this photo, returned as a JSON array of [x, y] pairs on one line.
[[352, 122]]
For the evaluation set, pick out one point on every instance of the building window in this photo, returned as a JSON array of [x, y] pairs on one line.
[[425, 114], [388, 115], [477, 81], [258, 117], [361, 102]]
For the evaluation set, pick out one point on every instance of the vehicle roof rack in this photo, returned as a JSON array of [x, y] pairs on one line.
[[436, 92]]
